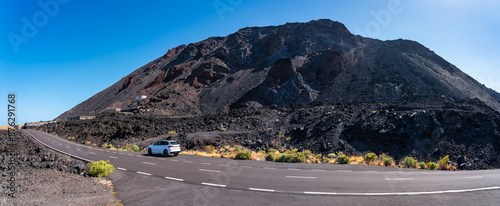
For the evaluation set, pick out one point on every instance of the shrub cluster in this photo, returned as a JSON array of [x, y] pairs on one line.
[[135, 148], [243, 155], [370, 157], [409, 162], [343, 159], [431, 165], [100, 168], [386, 160], [443, 162]]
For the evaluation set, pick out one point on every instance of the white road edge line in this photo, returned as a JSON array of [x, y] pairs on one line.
[[121, 168], [113, 157], [208, 170], [224, 165], [143, 173], [205, 163], [211, 184], [247, 166], [293, 169], [149, 163], [87, 160], [318, 170], [301, 177], [91, 153], [176, 179], [262, 190], [405, 193], [269, 168]]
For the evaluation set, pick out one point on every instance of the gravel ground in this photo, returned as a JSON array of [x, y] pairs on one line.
[[44, 177]]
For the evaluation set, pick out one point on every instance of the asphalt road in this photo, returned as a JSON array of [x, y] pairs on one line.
[[219, 181]]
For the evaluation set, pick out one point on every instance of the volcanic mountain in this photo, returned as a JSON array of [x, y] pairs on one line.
[[317, 62]]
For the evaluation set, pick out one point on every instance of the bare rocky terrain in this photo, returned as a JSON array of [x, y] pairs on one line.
[[44, 177], [315, 82]]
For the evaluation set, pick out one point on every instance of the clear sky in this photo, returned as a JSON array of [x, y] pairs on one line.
[[57, 54]]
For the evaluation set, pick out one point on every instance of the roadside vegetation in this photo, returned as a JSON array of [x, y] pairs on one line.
[[306, 156], [100, 168]]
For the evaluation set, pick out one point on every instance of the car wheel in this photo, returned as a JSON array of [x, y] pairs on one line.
[[165, 153], [175, 154], [150, 152]]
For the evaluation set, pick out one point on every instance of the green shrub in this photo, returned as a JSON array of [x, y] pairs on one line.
[[271, 156], [109, 146], [100, 169], [124, 150], [281, 157], [370, 157], [421, 165], [243, 155], [135, 148], [343, 159], [326, 160], [431, 165], [443, 162], [387, 161], [261, 152], [172, 132], [316, 161], [226, 155], [409, 162], [288, 139]]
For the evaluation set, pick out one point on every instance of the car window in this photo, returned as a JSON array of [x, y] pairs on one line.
[[157, 143], [174, 143]]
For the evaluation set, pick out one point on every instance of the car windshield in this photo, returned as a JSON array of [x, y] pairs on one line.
[[174, 143]]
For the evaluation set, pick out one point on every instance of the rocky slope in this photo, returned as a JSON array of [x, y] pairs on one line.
[[466, 128], [319, 61], [44, 177]]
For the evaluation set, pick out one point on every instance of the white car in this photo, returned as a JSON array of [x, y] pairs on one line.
[[165, 147]]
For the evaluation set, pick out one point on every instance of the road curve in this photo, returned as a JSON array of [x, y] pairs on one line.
[[289, 178]]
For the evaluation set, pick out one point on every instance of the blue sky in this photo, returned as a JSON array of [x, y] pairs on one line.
[[78, 48]]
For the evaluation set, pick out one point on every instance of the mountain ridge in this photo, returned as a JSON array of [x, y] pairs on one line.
[[295, 63]]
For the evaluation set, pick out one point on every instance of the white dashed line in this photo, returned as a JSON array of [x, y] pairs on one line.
[[130, 154], [371, 171], [318, 170], [176, 179], [188, 162], [143, 173], [224, 165], [300, 177], [149, 163], [344, 170], [269, 168], [77, 149], [121, 168], [262, 190], [474, 177], [399, 179], [67, 146], [293, 169], [138, 156], [247, 166], [150, 157], [208, 170], [113, 157], [174, 160], [91, 153], [113, 152], [205, 163], [211, 184]]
